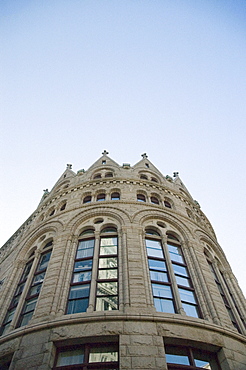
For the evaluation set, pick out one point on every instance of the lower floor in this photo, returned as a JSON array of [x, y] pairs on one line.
[[117, 343]]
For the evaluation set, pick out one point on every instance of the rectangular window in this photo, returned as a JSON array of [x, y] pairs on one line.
[[88, 356], [181, 358]]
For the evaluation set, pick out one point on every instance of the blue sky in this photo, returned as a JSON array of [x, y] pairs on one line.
[[163, 77]]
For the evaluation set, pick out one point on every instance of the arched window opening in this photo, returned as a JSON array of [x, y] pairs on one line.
[[183, 280], [18, 292], [167, 204], [164, 262], [104, 291], [154, 179], [154, 200], [225, 294], [78, 299], [143, 177], [87, 199], [52, 212], [159, 275], [151, 232], [35, 288], [109, 229], [97, 176], [63, 206], [115, 196], [101, 197], [141, 198], [109, 174]]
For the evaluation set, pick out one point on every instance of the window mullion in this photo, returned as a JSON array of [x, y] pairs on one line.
[[172, 277], [94, 273]]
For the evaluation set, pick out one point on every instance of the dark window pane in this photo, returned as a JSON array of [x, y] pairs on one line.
[[30, 305], [35, 290], [44, 261], [154, 200], [38, 278], [79, 291], [70, 357], [83, 265], [141, 198], [26, 318], [115, 196], [81, 276], [164, 305], [78, 305], [87, 199], [26, 270], [101, 197]]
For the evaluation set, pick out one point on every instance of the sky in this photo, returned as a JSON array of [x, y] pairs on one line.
[[162, 77]]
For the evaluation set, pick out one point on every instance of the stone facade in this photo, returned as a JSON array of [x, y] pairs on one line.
[[206, 308]]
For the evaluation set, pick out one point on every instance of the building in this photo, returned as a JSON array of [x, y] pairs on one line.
[[118, 268]]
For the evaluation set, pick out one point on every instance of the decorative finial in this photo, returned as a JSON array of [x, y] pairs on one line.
[[69, 166], [105, 152], [144, 155], [175, 174], [45, 191]]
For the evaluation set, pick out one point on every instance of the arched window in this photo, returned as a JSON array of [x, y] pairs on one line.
[[154, 200], [15, 300], [35, 287], [105, 288], [167, 204], [101, 197], [154, 179], [87, 199], [166, 261], [141, 198], [97, 176], [78, 299], [109, 174], [160, 280], [183, 280], [226, 295], [63, 207], [143, 177], [115, 196]]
